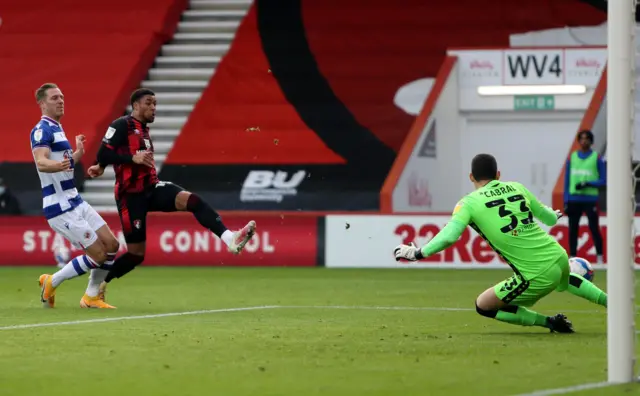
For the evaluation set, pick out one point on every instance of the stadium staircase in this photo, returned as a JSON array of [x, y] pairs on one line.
[[181, 72]]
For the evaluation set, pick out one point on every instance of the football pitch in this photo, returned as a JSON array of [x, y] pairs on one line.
[[291, 331]]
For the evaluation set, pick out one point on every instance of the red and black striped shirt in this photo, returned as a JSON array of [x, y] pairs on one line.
[[124, 138]]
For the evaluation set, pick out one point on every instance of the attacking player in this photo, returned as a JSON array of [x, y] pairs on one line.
[[128, 146], [503, 213], [63, 207]]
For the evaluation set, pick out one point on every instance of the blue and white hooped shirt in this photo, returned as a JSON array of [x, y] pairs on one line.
[[59, 193]]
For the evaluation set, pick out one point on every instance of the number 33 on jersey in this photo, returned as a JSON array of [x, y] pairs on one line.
[[504, 214]]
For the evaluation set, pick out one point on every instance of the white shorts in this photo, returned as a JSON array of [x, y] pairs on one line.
[[79, 225]]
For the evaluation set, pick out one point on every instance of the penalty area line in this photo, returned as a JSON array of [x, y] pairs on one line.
[[138, 317], [376, 308], [570, 389], [406, 308]]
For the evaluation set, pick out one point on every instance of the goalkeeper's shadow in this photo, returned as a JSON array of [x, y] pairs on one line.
[[540, 333]]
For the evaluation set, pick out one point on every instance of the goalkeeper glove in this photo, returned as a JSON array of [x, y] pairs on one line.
[[408, 252]]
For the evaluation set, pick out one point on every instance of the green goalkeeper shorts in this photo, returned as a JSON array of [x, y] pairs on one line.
[[516, 290]]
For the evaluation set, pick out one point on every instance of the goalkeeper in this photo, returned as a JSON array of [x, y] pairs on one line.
[[503, 213]]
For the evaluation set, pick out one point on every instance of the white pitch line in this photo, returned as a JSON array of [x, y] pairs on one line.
[[376, 308], [394, 308], [209, 311], [569, 389], [116, 319]]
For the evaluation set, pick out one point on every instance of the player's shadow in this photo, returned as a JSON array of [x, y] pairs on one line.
[[538, 334]]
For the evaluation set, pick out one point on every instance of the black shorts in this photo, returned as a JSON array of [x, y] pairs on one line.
[[133, 209]]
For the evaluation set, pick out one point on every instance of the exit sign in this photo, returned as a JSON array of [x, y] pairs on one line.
[[534, 102]]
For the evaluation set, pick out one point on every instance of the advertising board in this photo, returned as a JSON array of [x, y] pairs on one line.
[[176, 240], [368, 242]]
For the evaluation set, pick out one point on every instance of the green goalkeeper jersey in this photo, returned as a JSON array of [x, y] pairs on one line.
[[504, 214]]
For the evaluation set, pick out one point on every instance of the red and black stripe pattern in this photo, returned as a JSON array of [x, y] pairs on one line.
[[132, 178]]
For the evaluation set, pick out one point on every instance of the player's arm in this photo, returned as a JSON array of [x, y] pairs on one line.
[[41, 141], [542, 212], [77, 155], [450, 233], [114, 138], [445, 238], [47, 165]]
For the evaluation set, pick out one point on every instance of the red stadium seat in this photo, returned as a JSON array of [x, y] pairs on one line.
[[97, 52]]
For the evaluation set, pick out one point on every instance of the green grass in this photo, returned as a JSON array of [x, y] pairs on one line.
[[292, 351]]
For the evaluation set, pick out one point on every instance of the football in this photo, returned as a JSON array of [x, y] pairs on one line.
[[581, 267], [62, 255]]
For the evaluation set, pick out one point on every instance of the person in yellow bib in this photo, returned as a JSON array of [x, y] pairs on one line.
[[585, 174]]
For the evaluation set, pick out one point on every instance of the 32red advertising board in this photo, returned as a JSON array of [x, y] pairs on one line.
[[367, 241], [176, 239]]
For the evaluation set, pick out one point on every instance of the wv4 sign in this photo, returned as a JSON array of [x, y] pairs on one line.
[[523, 66], [533, 67]]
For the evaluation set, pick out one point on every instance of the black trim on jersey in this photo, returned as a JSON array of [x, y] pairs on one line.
[[575, 281], [522, 287], [499, 253], [518, 291]]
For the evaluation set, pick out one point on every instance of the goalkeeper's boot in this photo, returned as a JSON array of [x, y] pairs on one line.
[[47, 291], [94, 302], [240, 238], [560, 324]]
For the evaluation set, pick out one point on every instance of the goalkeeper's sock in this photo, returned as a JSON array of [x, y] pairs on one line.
[[521, 316], [516, 315], [76, 267], [578, 286]]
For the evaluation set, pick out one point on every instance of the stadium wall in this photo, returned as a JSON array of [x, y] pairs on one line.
[[415, 180], [289, 239], [527, 133]]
